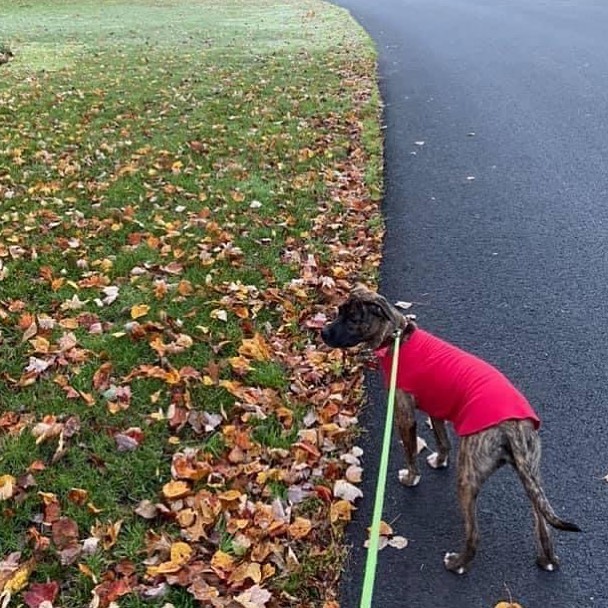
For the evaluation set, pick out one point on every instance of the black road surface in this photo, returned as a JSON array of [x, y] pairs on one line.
[[496, 115]]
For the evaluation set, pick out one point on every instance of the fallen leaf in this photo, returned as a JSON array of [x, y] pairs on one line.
[[78, 496], [129, 440], [341, 511], [222, 561], [7, 486], [146, 509], [398, 542], [19, 580], [254, 597], [219, 314], [64, 532], [176, 489], [107, 533], [139, 310], [38, 593], [247, 570], [347, 491], [255, 348], [181, 553]]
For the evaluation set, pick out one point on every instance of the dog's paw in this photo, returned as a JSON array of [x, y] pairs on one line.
[[548, 564], [408, 478], [453, 562], [435, 462]]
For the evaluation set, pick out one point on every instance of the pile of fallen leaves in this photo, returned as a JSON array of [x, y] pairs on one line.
[[173, 428]]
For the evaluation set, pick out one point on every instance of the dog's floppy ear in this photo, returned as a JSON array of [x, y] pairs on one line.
[[361, 289], [381, 308]]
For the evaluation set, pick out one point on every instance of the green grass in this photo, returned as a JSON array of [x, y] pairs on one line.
[[175, 150]]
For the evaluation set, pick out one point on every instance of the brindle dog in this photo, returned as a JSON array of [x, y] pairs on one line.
[[367, 318]]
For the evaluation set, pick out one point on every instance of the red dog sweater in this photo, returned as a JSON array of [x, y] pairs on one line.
[[454, 385]]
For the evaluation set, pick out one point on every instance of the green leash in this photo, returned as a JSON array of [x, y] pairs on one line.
[[374, 536]]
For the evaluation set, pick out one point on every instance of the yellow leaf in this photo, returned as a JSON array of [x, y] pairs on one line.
[[69, 323], [185, 288], [7, 486], [385, 529], [176, 489], [40, 344], [222, 561], [255, 348], [180, 553], [300, 527], [57, 283], [240, 365], [229, 495], [93, 509], [84, 569], [19, 580], [139, 310], [245, 571], [164, 568], [78, 496], [107, 533], [340, 511], [507, 605], [268, 570]]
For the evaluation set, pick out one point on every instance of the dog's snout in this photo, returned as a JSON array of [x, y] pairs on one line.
[[325, 333]]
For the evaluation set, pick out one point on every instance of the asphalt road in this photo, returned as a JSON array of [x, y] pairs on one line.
[[512, 265]]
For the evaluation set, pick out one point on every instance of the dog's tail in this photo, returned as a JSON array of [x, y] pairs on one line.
[[537, 495]]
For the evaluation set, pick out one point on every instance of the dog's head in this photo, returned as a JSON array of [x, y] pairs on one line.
[[365, 318]]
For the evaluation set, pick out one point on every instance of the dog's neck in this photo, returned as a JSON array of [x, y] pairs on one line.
[[401, 323]]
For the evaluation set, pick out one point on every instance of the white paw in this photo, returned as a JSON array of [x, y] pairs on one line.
[[405, 479], [433, 461], [549, 567], [446, 561]]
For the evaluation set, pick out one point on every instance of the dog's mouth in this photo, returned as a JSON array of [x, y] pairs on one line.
[[333, 339]]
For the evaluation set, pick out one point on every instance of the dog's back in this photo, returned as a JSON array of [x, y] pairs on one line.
[[451, 384]]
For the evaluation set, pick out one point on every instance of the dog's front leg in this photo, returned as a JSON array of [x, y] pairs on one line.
[[439, 459], [405, 407]]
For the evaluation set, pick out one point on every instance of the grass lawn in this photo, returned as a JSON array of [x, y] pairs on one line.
[[186, 187]]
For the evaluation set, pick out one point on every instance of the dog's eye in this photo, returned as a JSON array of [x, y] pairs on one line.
[[377, 310]]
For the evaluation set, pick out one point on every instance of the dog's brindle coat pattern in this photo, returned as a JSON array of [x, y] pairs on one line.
[[367, 318]]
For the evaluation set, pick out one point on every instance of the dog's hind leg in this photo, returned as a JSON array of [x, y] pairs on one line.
[[439, 459], [526, 448], [406, 427], [478, 458], [547, 560]]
